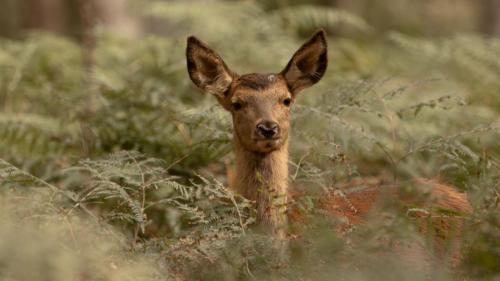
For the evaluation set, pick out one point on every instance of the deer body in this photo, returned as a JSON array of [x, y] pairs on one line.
[[260, 106]]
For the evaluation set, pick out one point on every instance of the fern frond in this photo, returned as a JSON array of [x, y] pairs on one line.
[[28, 134], [304, 19]]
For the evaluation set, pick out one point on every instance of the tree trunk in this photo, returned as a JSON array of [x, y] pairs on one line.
[[10, 18], [65, 17], [45, 14], [491, 17], [114, 14]]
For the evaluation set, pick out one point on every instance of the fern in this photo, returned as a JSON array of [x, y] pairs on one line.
[[304, 19], [125, 185], [468, 58], [11, 176], [138, 156], [29, 134]]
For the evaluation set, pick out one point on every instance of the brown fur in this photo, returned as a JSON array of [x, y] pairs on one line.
[[264, 178], [262, 163], [256, 81], [256, 99], [354, 201]]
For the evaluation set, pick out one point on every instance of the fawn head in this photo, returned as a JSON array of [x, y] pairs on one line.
[[259, 103]]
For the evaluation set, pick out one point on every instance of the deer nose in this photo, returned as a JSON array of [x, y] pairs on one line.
[[268, 129]]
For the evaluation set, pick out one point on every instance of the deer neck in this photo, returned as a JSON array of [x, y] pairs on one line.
[[264, 179]]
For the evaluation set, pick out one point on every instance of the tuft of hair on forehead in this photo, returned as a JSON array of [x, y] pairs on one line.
[[257, 81]]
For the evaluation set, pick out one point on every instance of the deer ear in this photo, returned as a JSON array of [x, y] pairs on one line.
[[206, 68], [308, 64]]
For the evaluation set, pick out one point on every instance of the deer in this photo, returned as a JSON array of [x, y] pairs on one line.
[[260, 106]]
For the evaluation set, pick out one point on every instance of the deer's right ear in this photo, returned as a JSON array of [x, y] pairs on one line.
[[206, 68]]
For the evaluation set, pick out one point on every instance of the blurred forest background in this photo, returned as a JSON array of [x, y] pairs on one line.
[[113, 166]]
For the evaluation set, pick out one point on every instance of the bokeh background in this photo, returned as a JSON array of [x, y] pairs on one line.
[[113, 166]]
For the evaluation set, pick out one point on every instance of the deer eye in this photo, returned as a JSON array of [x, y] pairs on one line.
[[236, 105], [287, 101]]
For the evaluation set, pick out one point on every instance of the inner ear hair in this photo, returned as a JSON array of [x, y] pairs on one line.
[[308, 64], [207, 69]]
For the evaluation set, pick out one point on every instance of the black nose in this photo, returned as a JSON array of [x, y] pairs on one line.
[[268, 129]]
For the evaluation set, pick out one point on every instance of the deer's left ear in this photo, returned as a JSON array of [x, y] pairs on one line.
[[308, 64]]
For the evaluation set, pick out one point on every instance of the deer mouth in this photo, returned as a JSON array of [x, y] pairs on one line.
[[267, 140], [267, 145]]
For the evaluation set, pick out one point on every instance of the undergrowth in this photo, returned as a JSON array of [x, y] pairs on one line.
[[120, 174]]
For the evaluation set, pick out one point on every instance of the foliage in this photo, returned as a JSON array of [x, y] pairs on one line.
[[120, 173]]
